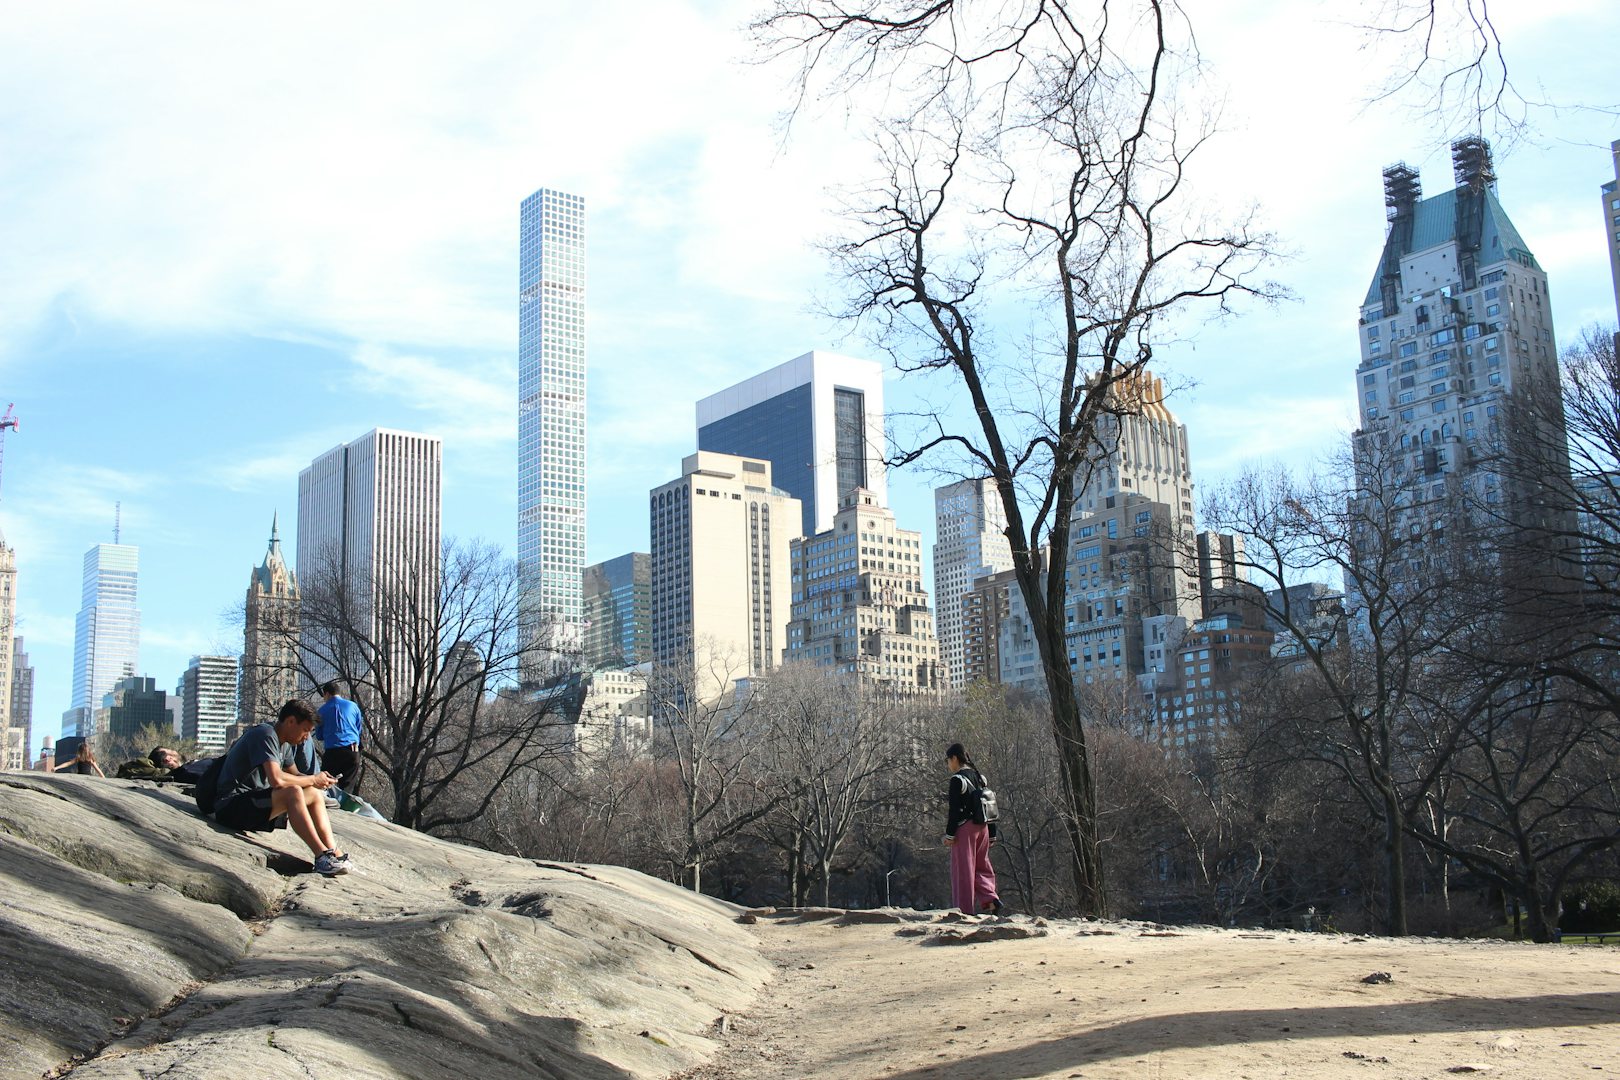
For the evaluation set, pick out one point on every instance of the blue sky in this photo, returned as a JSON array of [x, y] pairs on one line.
[[233, 238]]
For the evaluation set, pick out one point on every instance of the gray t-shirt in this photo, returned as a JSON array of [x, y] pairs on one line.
[[243, 770]]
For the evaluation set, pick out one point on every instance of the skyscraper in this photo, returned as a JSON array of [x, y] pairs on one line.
[[859, 605], [107, 635], [1140, 448], [269, 636], [551, 411], [818, 419], [13, 740], [368, 518], [1132, 567], [21, 716], [1461, 413], [970, 543], [208, 700], [720, 583], [134, 703], [618, 611], [1611, 223]]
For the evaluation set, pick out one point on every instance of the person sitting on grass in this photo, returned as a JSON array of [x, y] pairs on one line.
[[259, 790]]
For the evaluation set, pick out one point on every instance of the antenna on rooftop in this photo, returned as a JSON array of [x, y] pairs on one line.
[[118, 520]]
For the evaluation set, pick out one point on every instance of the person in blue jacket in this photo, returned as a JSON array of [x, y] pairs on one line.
[[339, 736]]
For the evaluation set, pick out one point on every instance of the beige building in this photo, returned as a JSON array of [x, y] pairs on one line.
[[720, 586], [269, 637], [859, 605], [1140, 450]]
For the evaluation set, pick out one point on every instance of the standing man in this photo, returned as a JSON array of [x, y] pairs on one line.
[[259, 790], [339, 734]]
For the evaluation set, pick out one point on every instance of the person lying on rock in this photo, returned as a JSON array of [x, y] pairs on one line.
[[158, 765], [260, 790]]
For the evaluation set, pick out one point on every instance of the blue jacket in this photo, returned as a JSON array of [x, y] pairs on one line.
[[340, 723]]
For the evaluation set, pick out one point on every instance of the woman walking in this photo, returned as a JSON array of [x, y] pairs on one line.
[[973, 879]]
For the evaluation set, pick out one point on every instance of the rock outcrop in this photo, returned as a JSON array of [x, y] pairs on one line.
[[137, 939]]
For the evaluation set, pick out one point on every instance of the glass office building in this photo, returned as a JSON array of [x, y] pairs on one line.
[[551, 411], [107, 635], [618, 611], [818, 419]]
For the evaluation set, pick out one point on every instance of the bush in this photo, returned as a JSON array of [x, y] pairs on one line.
[[1591, 907]]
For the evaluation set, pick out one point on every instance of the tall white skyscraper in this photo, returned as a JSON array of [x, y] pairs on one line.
[[368, 514], [551, 411], [107, 636], [970, 542], [818, 419]]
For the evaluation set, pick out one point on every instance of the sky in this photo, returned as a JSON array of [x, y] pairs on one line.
[[232, 238]]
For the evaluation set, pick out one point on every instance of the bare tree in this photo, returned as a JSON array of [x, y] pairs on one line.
[[436, 665], [713, 734], [1034, 159], [1360, 689], [832, 740]]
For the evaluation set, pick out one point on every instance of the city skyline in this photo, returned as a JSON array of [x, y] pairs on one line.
[[200, 288]]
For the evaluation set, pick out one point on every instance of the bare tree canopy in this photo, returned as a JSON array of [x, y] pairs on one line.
[[1034, 157], [436, 666]]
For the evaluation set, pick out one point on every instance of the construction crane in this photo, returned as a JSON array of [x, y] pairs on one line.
[[7, 422]]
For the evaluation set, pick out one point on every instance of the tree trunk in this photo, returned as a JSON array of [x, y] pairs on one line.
[[1394, 868], [1078, 791]]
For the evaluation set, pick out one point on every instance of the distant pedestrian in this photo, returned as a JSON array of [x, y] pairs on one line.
[[973, 879], [339, 736], [84, 762]]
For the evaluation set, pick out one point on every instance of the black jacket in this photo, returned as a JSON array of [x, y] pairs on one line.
[[956, 793]]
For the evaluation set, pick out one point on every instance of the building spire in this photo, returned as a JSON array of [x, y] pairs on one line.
[[118, 521]]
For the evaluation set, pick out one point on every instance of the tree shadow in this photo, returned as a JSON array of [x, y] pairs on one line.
[[1236, 1027]]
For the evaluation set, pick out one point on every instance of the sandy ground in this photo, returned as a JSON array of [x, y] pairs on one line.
[[1110, 1000]]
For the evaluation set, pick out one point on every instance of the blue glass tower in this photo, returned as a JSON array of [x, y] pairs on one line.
[[551, 413]]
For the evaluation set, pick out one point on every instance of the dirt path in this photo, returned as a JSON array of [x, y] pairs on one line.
[[1118, 1000]]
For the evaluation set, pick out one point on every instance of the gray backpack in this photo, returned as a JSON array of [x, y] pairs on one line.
[[981, 800]]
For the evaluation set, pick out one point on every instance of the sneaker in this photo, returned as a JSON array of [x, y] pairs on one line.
[[331, 864]]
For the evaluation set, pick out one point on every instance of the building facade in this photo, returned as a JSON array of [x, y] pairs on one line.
[[970, 542], [1139, 449], [1201, 693], [1461, 412], [368, 521], [551, 414], [21, 716], [618, 611], [13, 736], [719, 571], [107, 632], [135, 703], [859, 605], [269, 636], [1611, 224], [818, 419], [208, 705]]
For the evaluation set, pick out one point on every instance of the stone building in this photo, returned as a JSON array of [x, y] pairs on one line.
[[859, 605], [269, 637]]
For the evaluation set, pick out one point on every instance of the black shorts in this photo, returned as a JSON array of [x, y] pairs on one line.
[[249, 812]]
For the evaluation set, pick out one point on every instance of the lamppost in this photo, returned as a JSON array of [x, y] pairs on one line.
[[886, 878]]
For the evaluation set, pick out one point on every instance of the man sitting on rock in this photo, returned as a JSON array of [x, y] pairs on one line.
[[259, 789]]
